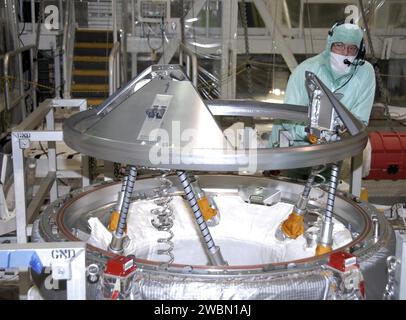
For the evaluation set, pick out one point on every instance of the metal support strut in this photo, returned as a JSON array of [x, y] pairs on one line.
[[116, 245], [213, 251], [115, 215], [301, 205], [120, 199], [326, 237], [293, 226]]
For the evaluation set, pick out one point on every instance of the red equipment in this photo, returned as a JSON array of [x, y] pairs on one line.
[[388, 158], [120, 266]]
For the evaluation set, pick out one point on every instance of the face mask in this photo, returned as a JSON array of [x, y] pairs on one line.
[[338, 65]]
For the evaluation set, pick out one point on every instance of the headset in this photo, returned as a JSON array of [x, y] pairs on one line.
[[360, 58]]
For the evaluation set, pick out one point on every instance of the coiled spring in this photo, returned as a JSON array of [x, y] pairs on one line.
[[163, 220], [315, 173]]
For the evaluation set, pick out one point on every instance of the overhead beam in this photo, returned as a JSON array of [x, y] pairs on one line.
[[277, 35], [174, 43], [229, 21], [195, 9]]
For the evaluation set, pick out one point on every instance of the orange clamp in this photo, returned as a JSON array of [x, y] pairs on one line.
[[113, 223], [321, 249], [207, 211], [312, 138], [293, 226]]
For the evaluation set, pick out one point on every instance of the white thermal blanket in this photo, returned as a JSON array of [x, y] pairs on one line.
[[245, 234]]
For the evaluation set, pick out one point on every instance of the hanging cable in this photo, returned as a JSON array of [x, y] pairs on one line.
[[374, 61], [36, 84], [193, 28], [162, 28], [24, 23], [149, 40], [304, 33], [244, 21], [274, 47], [310, 26]]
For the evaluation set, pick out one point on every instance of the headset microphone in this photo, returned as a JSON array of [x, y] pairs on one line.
[[349, 63], [360, 58]]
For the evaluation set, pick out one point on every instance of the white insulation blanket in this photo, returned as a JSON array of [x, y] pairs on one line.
[[245, 234]]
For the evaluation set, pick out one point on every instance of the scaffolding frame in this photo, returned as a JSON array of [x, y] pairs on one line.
[[21, 137]]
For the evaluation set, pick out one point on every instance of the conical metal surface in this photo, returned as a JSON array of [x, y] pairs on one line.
[[159, 120]]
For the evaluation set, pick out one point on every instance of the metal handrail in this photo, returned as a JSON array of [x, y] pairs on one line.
[[190, 55], [68, 46], [114, 68], [9, 104]]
